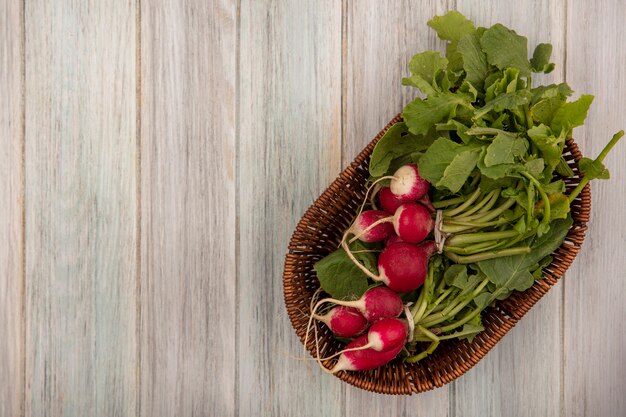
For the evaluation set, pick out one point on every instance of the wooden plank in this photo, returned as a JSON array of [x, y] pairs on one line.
[[188, 272], [11, 215], [594, 374], [521, 375], [290, 143], [382, 36], [80, 208]]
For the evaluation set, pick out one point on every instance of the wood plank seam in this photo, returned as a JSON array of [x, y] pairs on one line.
[[139, 184], [23, 203], [237, 198]]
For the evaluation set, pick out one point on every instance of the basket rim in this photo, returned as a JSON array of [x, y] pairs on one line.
[[426, 375]]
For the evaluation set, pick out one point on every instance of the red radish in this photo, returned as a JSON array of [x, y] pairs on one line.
[[412, 222], [403, 267], [379, 303], [366, 359], [375, 304], [407, 184], [388, 200], [344, 321], [363, 228], [386, 334], [394, 238]]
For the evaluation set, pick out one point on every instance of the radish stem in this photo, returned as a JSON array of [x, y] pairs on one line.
[[460, 240], [370, 227], [544, 197], [600, 158], [487, 255], [450, 202], [366, 271], [489, 215], [488, 197], [473, 249], [463, 206], [423, 303]]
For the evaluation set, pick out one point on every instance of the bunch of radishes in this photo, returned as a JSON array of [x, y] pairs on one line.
[[403, 224]]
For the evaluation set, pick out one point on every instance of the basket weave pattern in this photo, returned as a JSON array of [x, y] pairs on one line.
[[319, 233]]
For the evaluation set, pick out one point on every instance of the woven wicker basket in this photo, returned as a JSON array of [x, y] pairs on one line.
[[319, 233]]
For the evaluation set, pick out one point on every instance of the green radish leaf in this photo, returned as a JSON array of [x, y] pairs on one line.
[[545, 245], [505, 149], [543, 111], [455, 126], [570, 115], [559, 205], [507, 101], [488, 184], [456, 276], [562, 91], [535, 167], [476, 321], [538, 272], [340, 277], [397, 142], [436, 159], [469, 90], [420, 115], [455, 60], [594, 169], [506, 82], [469, 331], [547, 143], [483, 300], [505, 48], [424, 67], [457, 173], [555, 187], [512, 272], [474, 59], [510, 87], [563, 168], [494, 172], [452, 26], [540, 62], [520, 226], [509, 273], [488, 131]]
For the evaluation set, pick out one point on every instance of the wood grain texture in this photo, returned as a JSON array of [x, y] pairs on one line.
[[594, 328], [80, 208], [11, 191], [382, 36], [188, 272], [521, 375], [290, 142], [148, 278]]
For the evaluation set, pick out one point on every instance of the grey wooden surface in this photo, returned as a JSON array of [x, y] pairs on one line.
[[155, 157]]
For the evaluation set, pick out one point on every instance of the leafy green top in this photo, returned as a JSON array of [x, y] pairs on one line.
[[491, 145]]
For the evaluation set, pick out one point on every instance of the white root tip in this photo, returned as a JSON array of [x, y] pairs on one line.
[[405, 179], [409, 319], [341, 352], [313, 307], [343, 364], [324, 319]]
